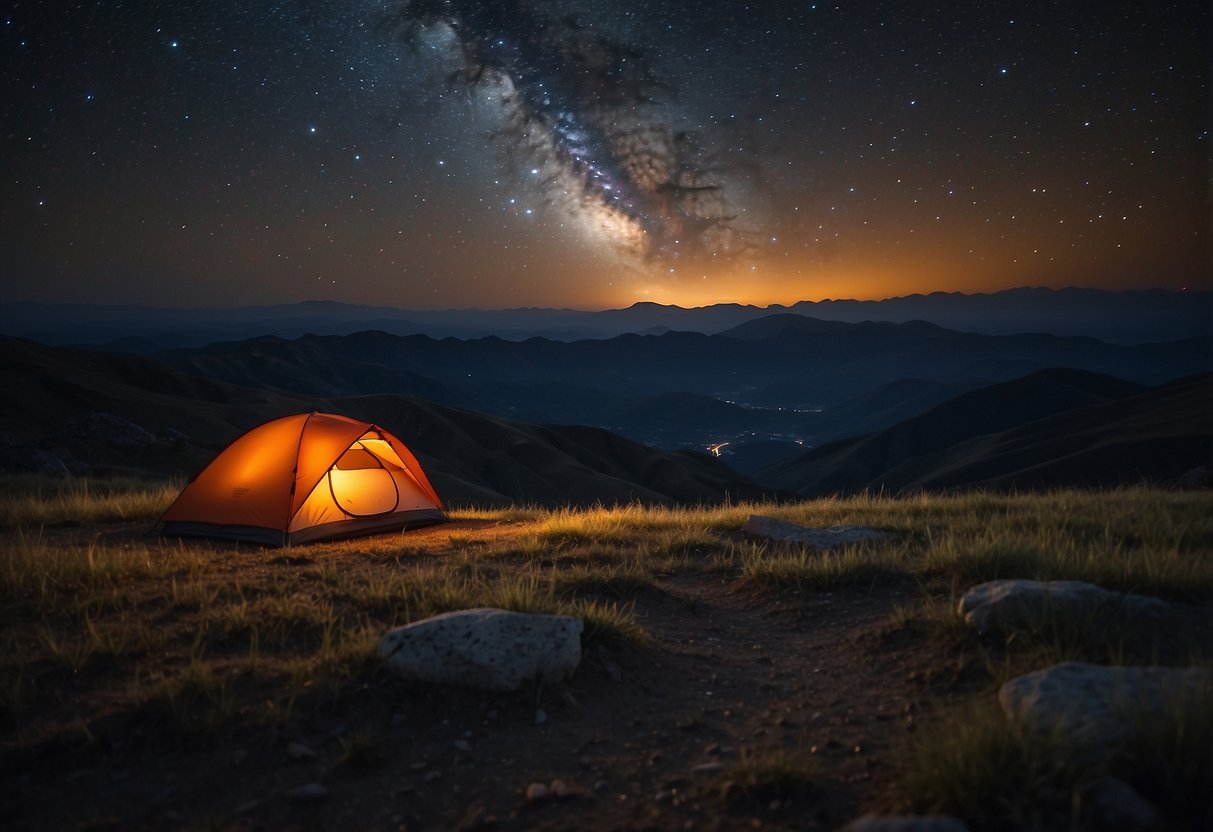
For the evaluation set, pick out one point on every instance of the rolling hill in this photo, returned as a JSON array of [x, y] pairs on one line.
[[169, 422], [1056, 427]]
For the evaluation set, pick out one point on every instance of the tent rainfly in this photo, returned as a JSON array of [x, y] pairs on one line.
[[303, 478]]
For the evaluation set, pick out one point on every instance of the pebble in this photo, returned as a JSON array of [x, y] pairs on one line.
[[537, 792], [561, 789], [309, 793], [707, 768], [462, 745], [299, 751], [541, 716]]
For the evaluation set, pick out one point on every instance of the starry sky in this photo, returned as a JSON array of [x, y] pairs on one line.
[[451, 153]]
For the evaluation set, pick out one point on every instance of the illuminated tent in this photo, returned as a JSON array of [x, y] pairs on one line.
[[312, 476]]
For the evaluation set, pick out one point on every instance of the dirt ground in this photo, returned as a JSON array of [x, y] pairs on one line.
[[640, 738]]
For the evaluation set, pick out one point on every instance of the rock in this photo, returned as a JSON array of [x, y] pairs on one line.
[[559, 788], [537, 792], [768, 528], [905, 823], [1008, 605], [541, 716], [1115, 805], [1096, 709], [490, 649], [463, 745], [310, 793], [114, 431], [707, 768], [299, 751], [1199, 477], [36, 461]]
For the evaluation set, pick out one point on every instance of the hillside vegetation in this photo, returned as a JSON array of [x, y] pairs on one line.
[[800, 688]]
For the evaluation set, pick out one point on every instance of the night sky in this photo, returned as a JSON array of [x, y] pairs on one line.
[[431, 154]]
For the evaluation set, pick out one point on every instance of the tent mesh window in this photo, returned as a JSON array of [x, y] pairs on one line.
[[361, 485]]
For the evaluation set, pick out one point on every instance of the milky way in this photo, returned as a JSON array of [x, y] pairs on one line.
[[592, 116]]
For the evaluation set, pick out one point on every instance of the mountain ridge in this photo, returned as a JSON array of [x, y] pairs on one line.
[[1135, 315]]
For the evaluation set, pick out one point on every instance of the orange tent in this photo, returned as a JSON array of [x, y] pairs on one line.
[[312, 476]]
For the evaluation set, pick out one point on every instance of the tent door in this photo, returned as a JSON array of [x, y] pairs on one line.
[[360, 484]]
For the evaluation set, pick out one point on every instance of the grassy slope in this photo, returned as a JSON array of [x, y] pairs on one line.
[[196, 641]]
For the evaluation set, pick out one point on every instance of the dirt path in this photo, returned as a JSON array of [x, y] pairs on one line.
[[644, 738]]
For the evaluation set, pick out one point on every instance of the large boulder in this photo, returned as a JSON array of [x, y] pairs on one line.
[[1096, 709], [768, 528], [1009, 605], [490, 649]]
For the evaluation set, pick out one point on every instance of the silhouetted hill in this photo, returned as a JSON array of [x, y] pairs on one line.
[[1055, 427], [789, 363], [187, 419]]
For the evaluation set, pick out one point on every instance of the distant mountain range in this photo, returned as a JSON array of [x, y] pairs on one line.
[[1121, 317], [783, 377]]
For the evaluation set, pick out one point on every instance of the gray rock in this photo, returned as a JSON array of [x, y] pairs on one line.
[[310, 793], [34, 460], [1115, 805], [299, 751], [905, 823], [1009, 605], [536, 792], [114, 431], [490, 649], [1097, 709], [768, 528]]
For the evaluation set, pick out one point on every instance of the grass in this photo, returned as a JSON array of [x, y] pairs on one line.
[[30, 502], [202, 640], [763, 775], [974, 765]]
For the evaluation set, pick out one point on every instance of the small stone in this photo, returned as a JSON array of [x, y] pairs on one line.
[[602, 786], [309, 793], [561, 789], [299, 751], [537, 792], [431, 776], [462, 745], [768, 528], [707, 768], [664, 796], [541, 716]]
